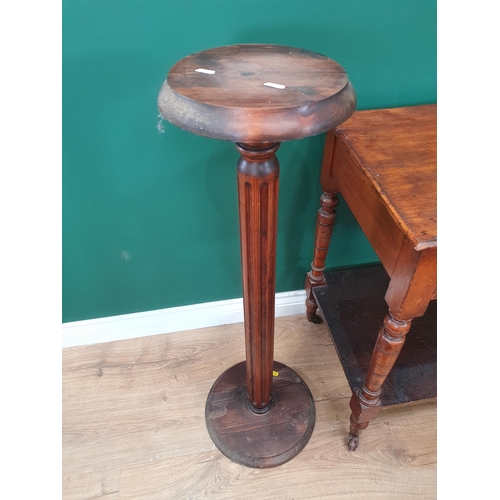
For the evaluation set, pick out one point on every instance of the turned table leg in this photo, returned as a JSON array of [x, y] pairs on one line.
[[324, 230], [324, 227], [410, 290], [256, 417], [365, 405]]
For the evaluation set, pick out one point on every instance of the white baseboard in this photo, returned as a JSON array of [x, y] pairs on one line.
[[174, 319]]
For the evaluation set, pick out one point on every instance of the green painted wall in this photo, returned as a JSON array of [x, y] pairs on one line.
[[149, 218]]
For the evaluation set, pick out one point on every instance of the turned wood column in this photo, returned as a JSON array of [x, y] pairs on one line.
[[258, 175]]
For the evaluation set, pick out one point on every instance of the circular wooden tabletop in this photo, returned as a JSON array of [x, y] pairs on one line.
[[256, 93]]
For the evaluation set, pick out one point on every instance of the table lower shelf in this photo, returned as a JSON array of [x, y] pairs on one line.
[[353, 307]]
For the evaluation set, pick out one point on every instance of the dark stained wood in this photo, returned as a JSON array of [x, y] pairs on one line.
[[234, 104], [383, 162], [258, 178], [258, 96], [260, 440], [253, 417]]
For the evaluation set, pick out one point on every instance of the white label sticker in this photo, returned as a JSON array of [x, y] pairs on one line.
[[206, 71], [274, 85]]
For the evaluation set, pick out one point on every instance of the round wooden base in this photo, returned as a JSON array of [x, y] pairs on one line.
[[260, 440]]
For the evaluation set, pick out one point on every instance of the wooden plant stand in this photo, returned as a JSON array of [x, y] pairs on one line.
[[258, 96]]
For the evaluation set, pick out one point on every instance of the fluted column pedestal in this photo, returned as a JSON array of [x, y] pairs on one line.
[[259, 413]]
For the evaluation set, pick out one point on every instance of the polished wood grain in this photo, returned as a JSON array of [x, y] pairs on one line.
[[395, 149], [134, 427], [233, 103], [383, 162]]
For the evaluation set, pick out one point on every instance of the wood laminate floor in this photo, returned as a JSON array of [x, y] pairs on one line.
[[134, 425]]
